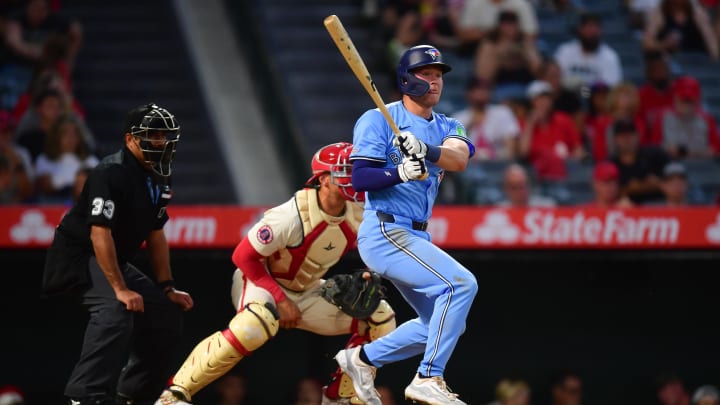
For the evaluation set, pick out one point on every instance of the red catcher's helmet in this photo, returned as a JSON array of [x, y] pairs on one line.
[[335, 159]]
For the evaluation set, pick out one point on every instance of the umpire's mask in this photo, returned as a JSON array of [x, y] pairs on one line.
[[158, 132]]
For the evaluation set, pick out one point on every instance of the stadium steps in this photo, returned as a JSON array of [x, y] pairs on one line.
[[322, 94], [133, 52]]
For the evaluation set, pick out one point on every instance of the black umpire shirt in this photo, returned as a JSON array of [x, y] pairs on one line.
[[120, 194]]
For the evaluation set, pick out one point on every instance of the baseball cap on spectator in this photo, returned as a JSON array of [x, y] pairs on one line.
[[605, 171], [538, 88], [624, 126], [705, 392], [686, 88], [6, 121], [507, 16], [11, 395], [674, 169]]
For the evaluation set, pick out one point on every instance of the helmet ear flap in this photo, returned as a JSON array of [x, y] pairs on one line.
[[411, 85]]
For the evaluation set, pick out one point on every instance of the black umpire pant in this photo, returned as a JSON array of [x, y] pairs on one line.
[[125, 353]]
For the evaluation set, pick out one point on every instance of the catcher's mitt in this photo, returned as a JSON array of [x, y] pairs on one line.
[[353, 294]]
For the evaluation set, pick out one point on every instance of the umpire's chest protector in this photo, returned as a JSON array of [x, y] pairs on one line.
[[325, 240]]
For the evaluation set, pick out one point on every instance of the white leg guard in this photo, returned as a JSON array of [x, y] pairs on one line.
[[381, 322], [218, 353]]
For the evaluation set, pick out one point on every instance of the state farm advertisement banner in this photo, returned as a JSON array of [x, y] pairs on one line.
[[192, 226], [451, 227], [570, 227]]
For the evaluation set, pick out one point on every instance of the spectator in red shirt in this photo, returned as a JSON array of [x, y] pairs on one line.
[[685, 130], [606, 187], [655, 94], [623, 102], [48, 79], [548, 137]]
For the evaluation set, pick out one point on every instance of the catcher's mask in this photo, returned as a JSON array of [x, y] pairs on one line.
[[158, 133], [335, 159]]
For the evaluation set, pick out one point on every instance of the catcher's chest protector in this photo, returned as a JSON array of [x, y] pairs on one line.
[[325, 240]]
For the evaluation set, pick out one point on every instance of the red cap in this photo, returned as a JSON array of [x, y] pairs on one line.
[[9, 394], [686, 88], [606, 171]]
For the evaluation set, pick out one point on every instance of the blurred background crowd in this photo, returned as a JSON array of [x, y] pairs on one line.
[[568, 102], [566, 388], [575, 102], [45, 144]]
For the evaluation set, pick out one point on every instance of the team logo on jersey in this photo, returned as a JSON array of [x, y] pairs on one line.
[[395, 158], [434, 53], [265, 234]]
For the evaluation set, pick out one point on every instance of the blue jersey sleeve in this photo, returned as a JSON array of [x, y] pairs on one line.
[[457, 130], [371, 137]]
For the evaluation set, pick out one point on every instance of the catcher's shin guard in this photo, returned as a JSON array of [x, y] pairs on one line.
[[380, 323], [218, 353]]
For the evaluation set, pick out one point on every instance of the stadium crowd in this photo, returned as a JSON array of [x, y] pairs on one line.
[[45, 145], [584, 132], [565, 114], [537, 115]]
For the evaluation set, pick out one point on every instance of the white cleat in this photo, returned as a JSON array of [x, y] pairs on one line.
[[169, 398], [361, 374], [431, 391]]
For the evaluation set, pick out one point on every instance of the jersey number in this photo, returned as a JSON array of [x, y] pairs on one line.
[[107, 208]]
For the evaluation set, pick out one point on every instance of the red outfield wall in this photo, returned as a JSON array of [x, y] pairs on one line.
[[200, 226]]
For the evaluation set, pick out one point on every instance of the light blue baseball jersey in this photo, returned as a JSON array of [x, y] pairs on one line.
[[438, 288], [373, 141]]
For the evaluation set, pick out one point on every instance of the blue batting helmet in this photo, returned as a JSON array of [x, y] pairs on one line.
[[413, 58]]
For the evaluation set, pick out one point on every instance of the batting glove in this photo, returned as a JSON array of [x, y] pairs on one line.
[[409, 144], [412, 168]]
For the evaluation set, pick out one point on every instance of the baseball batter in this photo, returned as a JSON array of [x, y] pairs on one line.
[[280, 265], [392, 239]]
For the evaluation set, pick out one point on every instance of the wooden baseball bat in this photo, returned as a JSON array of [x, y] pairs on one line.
[[343, 42], [355, 61]]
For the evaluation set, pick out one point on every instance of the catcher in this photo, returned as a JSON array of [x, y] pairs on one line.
[[278, 282]]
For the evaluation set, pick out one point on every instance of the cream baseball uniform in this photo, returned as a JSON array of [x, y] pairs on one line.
[[301, 243]]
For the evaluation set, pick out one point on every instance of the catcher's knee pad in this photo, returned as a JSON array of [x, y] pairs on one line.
[[252, 327], [218, 353], [381, 322]]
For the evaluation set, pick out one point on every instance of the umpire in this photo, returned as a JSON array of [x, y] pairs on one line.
[[134, 317]]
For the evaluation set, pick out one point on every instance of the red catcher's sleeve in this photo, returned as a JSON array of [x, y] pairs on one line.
[[250, 262]]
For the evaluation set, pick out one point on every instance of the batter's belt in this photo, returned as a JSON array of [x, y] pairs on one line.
[[385, 217]]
